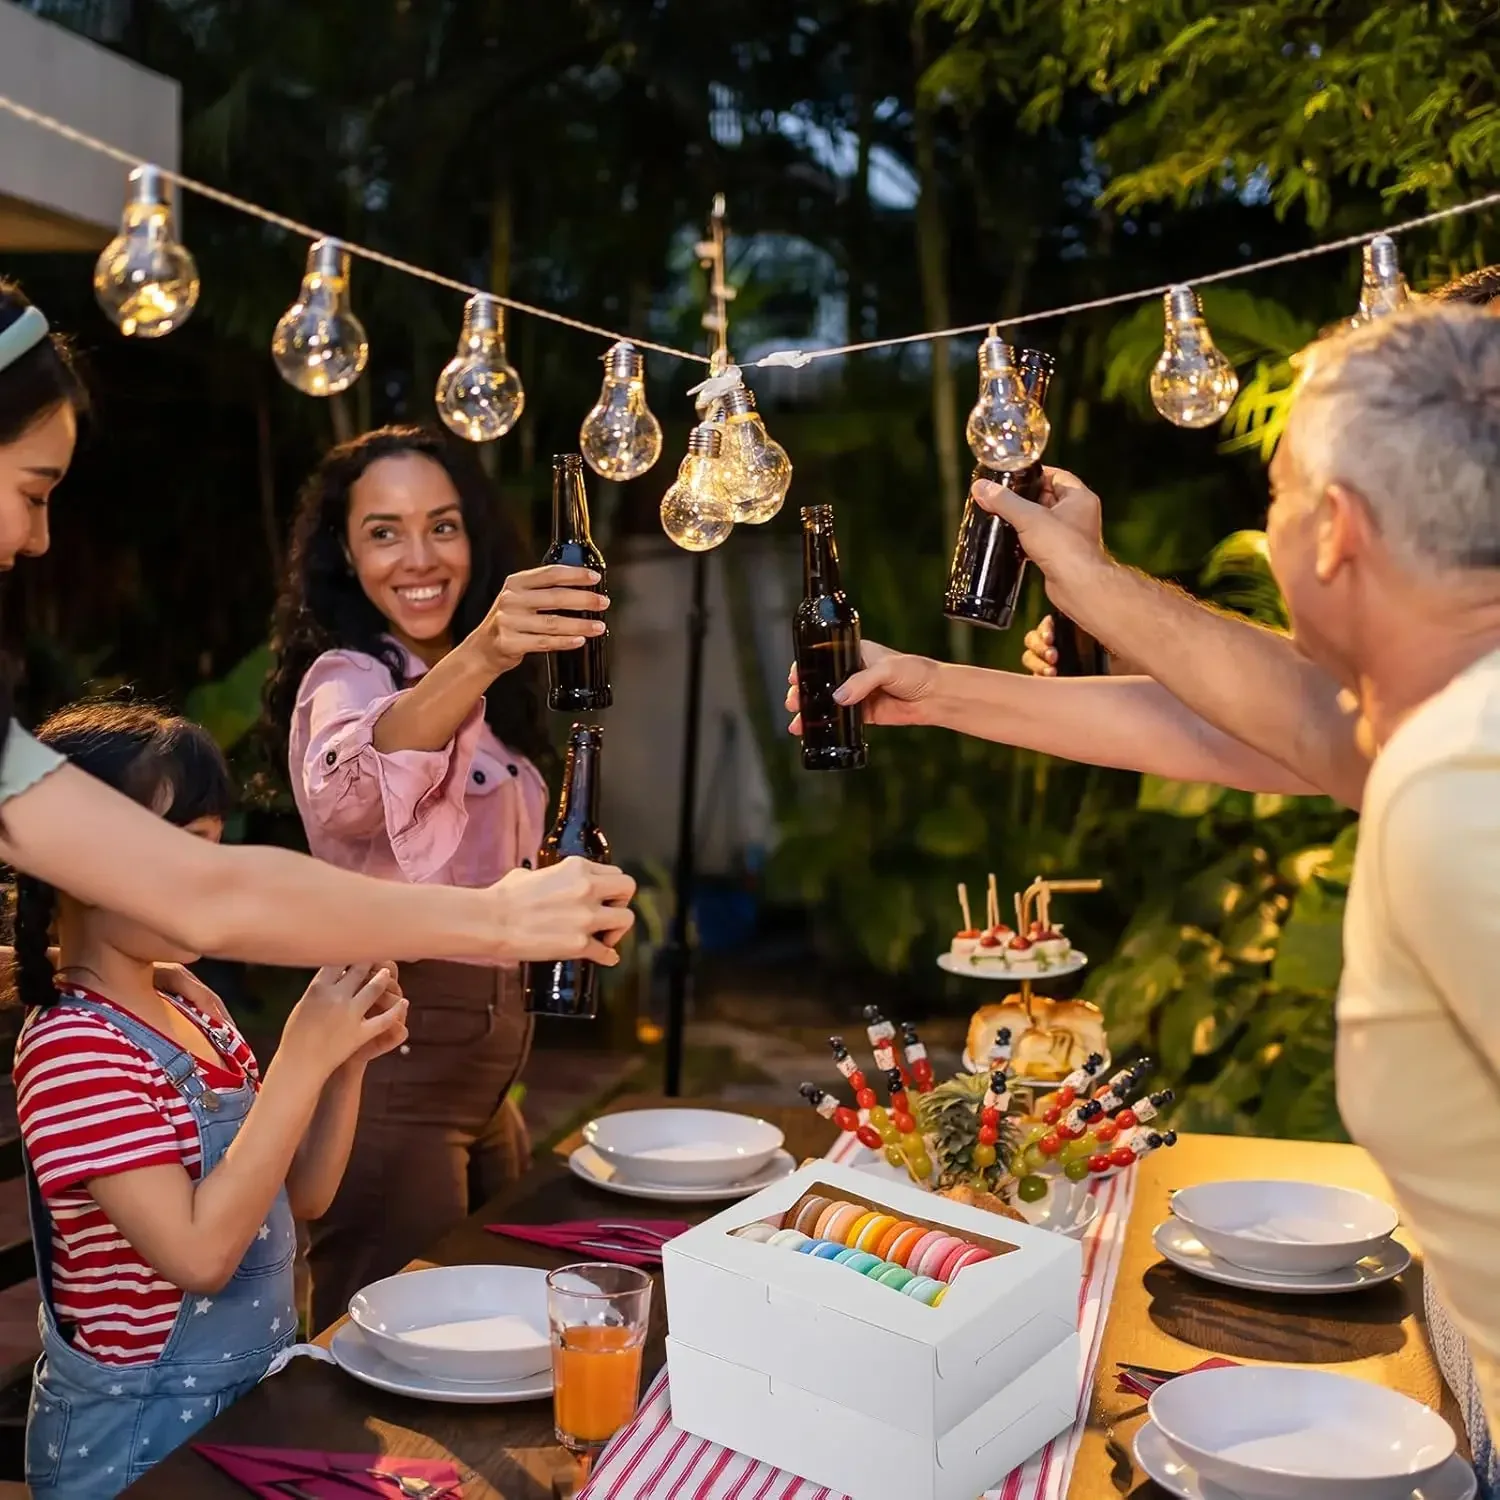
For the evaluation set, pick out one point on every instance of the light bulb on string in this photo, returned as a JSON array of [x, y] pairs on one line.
[[756, 470], [1382, 288], [1007, 429], [479, 394], [145, 279], [620, 438], [1193, 383], [319, 345], [696, 512]]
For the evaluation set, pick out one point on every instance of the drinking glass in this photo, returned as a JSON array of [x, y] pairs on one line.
[[598, 1315]]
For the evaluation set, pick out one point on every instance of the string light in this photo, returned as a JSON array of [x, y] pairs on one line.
[[319, 345], [756, 470], [479, 394], [145, 280], [1193, 384], [696, 512], [1382, 289], [620, 437], [1007, 429]]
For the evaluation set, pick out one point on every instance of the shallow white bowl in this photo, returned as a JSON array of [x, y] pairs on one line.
[[683, 1147], [1290, 1228], [471, 1323], [1280, 1433]]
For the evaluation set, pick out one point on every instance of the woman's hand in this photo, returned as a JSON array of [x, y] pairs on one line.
[[1040, 656], [890, 685], [342, 1013], [174, 979], [525, 617], [573, 909]]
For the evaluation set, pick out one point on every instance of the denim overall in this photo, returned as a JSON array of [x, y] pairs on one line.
[[94, 1428]]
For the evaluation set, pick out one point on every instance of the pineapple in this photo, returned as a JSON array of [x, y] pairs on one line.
[[949, 1118]]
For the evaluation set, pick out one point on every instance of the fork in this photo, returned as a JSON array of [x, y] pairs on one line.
[[415, 1488]]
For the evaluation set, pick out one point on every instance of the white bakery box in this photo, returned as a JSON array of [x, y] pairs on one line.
[[807, 1365]]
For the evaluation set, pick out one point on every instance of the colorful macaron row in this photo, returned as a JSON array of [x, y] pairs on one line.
[[925, 1289]]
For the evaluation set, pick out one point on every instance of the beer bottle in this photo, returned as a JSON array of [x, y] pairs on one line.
[[1078, 653], [570, 987], [576, 680], [826, 634], [988, 560]]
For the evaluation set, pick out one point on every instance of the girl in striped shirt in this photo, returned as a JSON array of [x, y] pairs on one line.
[[164, 1173]]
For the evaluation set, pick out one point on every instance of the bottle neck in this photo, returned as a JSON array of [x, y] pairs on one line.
[[570, 506], [580, 790], [820, 562]]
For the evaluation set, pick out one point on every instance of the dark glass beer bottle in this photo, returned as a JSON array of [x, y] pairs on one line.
[[826, 633], [1078, 653], [570, 987], [576, 680], [988, 561]]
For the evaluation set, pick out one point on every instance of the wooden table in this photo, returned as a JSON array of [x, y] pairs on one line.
[[1160, 1317]]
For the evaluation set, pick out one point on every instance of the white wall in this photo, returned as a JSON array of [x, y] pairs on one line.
[[55, 195]]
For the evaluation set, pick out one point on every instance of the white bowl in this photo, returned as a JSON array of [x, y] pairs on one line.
[[1289, 1228], [683, 1147], [471, 1323], [1280, 1433]]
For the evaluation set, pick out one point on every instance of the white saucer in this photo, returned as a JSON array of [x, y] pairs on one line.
[[966, 970], [1161, 1461], [356, 1356], [774, 1170], [1177, 1243]]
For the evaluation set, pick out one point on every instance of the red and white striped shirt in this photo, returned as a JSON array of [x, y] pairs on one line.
[[93, 1104]]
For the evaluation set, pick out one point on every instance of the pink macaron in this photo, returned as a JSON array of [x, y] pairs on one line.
[[915, 1254], [971, 1257], [952, 1260], [809, 1214], [933, 1257]]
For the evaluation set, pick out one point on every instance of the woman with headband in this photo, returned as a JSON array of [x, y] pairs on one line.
[[262, 904]]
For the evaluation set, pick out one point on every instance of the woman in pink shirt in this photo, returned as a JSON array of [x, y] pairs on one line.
[[405, 688]]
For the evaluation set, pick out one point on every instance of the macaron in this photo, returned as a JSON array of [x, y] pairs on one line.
[[845, 1216], [820, 1229], [950, 1261], [900, 1248], [938, 1300], [863, 1262], [882, 1247], [922, 1289], [935, 1254], [807, 1215], [808, 1246], [828, 1249], [787, 1239], [974, 1255], [873, 1232], [893, 1276], [758, 1232], [857, 1228], [917, 1253]]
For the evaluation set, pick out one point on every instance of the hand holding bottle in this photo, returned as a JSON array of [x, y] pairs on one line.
[[573, 909], [1040, 655], [528, 614], [1062, 532], [889, 683]]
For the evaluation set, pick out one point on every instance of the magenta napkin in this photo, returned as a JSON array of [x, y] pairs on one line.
[[634, 1242], [327, 1476]]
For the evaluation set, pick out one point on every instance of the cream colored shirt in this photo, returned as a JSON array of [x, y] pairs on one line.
[[1419, 1004]]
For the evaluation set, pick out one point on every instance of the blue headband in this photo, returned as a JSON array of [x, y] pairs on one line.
[[22, 336]]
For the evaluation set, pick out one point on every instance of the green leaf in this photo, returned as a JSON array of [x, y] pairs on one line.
[[230, 708], [1310, 955], [1188, 1029], [1182, 799]]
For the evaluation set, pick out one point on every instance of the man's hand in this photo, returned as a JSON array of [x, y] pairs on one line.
[[1062, 534], [890, 685]]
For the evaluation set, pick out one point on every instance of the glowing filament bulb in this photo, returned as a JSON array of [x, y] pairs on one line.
[[620, 438], [319, 345], [1193, 383], [756, 470], [479, 394], [1382, 287], [146, 282], [697, 512], [1007, 429]]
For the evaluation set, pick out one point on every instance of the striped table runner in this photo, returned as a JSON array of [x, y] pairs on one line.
[[653, 1459]]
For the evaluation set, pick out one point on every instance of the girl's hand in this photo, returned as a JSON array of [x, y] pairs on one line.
[[387, 1041], [524, 618], [343, 1012]]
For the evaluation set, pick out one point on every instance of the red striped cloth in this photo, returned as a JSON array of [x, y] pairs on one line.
[[653, 1459]]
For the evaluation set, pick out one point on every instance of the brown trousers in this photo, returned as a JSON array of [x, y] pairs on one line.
[[436, 1136]]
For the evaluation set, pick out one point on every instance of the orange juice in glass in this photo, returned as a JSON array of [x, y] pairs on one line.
[[598, 1315]]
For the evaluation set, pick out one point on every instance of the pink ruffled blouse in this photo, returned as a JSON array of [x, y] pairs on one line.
[[463, 815]]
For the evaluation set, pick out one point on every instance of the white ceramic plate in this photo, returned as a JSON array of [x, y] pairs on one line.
[[1162, 1462], [1285, 1228], [1061, 1216], [966, 970], [474, 1323], [1282, 1432], [354, 1354], [685, 1148], [774, 1170], [1178, 1244]]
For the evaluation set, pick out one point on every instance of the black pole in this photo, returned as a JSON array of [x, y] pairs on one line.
[[681, 958]]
